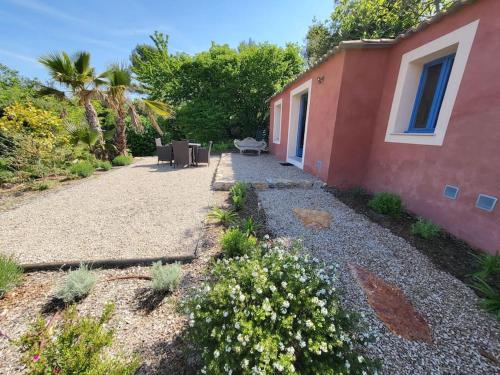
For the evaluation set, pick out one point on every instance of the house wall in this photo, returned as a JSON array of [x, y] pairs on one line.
[[470, 155], [324, 98], [362, 83]]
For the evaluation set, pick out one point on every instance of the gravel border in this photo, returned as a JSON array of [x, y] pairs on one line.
[[459, 328]]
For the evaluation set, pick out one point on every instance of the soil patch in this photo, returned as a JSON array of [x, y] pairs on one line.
[[447, 252]]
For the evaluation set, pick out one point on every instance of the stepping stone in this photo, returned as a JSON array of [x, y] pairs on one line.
[[313, 218], [391, 306]]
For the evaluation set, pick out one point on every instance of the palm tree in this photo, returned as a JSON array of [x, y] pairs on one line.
[[76, 74], [119, 84]]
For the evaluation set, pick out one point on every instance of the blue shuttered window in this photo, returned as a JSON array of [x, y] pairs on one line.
[[430, 93]]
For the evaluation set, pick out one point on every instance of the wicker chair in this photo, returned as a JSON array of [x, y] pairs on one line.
[[165, 153], [182, 153], [203, 154]]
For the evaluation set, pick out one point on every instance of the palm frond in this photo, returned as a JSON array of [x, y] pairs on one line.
[[82, 63], [60, 66], [159, 108], [135, 119]]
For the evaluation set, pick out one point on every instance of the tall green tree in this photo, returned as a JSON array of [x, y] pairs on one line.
[[76, 74], [358, 19], [218, 93]]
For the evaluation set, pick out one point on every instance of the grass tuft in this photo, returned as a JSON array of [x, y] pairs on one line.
[[234, 242], [224, 217], [386, 203], [165, 278], [425, 229], [122, 160], [77, 284], [10, 273], [82, 168]]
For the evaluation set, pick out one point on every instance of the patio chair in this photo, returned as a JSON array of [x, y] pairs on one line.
[[182, 153], [203, 154], [158, 142], [165, 153]]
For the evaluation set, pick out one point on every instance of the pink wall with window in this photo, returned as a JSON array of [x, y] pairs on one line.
[[349, 115], [470, 155]]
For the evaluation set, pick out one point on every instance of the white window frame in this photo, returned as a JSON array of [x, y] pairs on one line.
[[458, 41], [278, 108], [293, 119]]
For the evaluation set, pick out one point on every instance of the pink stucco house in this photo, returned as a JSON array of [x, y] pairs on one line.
[[418, 115]]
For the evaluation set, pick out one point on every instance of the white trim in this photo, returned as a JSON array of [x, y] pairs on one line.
[[293, 119], [277, 127], [410, 70]]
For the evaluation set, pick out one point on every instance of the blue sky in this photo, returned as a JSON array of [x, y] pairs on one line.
[[110, 29]]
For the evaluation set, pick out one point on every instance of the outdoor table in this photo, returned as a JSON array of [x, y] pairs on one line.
[[193, 147]]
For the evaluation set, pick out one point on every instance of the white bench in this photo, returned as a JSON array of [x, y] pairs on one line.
[[250, 144]]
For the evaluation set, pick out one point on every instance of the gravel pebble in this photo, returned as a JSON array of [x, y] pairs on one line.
[[460, 329], [142, 210]]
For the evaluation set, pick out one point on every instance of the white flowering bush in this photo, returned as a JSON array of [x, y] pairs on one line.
[[272, 311]]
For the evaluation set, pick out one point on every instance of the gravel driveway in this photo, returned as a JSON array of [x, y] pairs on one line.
[[459, 328], [139, 211]]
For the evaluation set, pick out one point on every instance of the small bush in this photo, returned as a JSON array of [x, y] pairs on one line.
[[76, 285], [387, 204], [82, 168], [239, 189], [238, 202], [222, 147], [41, 185], [249, 227], [104, 165], [236, 243], [487, 282], [165, 278], [10, 273], [224, 217], [78, 345], [274, 311], [122, 160], [425, 229]]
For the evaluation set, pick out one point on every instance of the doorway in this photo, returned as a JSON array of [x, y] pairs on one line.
[[297, 125]]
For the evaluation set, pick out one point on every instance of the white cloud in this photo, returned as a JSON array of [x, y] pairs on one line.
[[39, 7], [18, 56]]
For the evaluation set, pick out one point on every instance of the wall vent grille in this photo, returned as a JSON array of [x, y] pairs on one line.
[[486, 202], [451, 192]]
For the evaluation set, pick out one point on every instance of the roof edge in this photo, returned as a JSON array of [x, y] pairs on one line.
[[377, 43]]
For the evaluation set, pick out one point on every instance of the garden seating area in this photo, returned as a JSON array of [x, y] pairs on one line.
[[183, 153]]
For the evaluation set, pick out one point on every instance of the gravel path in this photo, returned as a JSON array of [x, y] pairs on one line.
[[459, 328], [142, 210], [258, 168]]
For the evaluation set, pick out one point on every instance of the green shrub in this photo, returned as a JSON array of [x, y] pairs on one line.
[[82, 168], [41, 185], [487, 282], [224, 217], [165, 278], [122, 160], [78, 345], [236, 243], [10, 273], [220, 147], [76, 285], [425, 228], [104, 165], [239, 189], [6, 176], [238, 202], [249, 227], [274, 311], [386, 203]]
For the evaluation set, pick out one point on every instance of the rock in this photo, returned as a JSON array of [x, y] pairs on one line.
[[391, 306], [313, 218]]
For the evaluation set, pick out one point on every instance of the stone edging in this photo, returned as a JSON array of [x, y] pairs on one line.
[[222, 184]]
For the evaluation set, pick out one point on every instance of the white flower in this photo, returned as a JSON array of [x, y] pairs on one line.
[[191, 323], [324, 311], [228, 349], [237, 325], [278, 366], [286, 304], [225, 314], [242, 297], [198, 307], [360, 358], [302, 344], [266, 237], [216, 353], [290, 350], [302, 279], [284, 284], [309, 324], [208, 319], [273, 316], [191, 316], [245, 363], [272, 288], [347, 365], [258, 290]]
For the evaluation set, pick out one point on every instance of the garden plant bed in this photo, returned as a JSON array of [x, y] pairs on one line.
[[144, 324], [447, 252]]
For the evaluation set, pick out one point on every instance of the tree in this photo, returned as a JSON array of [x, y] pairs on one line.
[[119, 83], [76, 74], [218, 93], [359, 19]]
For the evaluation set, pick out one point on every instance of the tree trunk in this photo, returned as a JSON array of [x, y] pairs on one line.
[[120, 135], [93, 121]]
